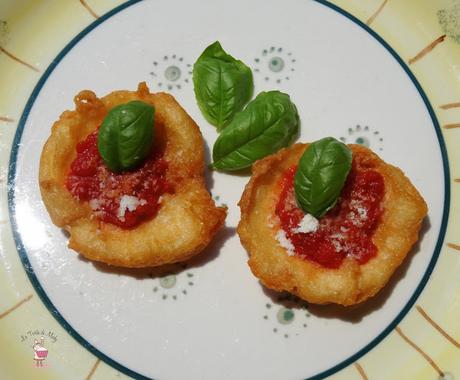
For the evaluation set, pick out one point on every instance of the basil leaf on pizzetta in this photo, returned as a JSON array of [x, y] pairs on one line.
[[126, 135], [321, 175], [222, 85], [268, 123]]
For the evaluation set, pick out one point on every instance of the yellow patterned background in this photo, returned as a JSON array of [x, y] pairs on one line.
[[425, 33]]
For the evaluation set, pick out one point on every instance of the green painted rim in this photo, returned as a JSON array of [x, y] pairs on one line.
[[53, 310]]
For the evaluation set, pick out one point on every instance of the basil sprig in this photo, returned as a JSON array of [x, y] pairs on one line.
[[222, 84], [268, 123], [321, 175], [126, 135]]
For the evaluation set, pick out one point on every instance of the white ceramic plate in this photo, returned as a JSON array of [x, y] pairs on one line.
[[211, 318]]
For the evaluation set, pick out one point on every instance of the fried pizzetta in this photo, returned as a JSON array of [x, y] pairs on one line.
[[396, 232], [187, 218]]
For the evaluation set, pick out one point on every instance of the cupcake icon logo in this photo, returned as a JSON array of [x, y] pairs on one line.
[[40, 351]]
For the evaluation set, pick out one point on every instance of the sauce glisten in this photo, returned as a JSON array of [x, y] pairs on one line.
[[345, 230], [90, 180]]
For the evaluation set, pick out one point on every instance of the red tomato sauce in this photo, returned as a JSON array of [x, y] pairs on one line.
[[90, 180], [345, 230]]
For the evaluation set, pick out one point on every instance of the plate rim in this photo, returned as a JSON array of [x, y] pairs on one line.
[[11, 180]]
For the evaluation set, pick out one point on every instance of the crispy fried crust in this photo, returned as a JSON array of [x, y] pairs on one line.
[[397, 231], [187, 219]]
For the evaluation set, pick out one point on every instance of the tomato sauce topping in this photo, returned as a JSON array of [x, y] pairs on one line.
[[124, 199], [345, 230]]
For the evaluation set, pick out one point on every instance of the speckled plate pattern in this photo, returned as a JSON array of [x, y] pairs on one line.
[[380, 73]]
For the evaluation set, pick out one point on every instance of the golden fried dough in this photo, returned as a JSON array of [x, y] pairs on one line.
[[351, 283], [187, 218]]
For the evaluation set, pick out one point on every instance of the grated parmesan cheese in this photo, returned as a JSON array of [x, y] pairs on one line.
[[130, 203], [337, 246], [358, 213], [308, 224], [337, 240], [284, 242], [95, 204], [362, 212]]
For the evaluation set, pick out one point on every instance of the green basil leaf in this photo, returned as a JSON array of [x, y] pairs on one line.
[[126, 135], [268, 123], [222, 84], [321, 175]]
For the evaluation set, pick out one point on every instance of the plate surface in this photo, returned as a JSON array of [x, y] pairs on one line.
[[211, 313]]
